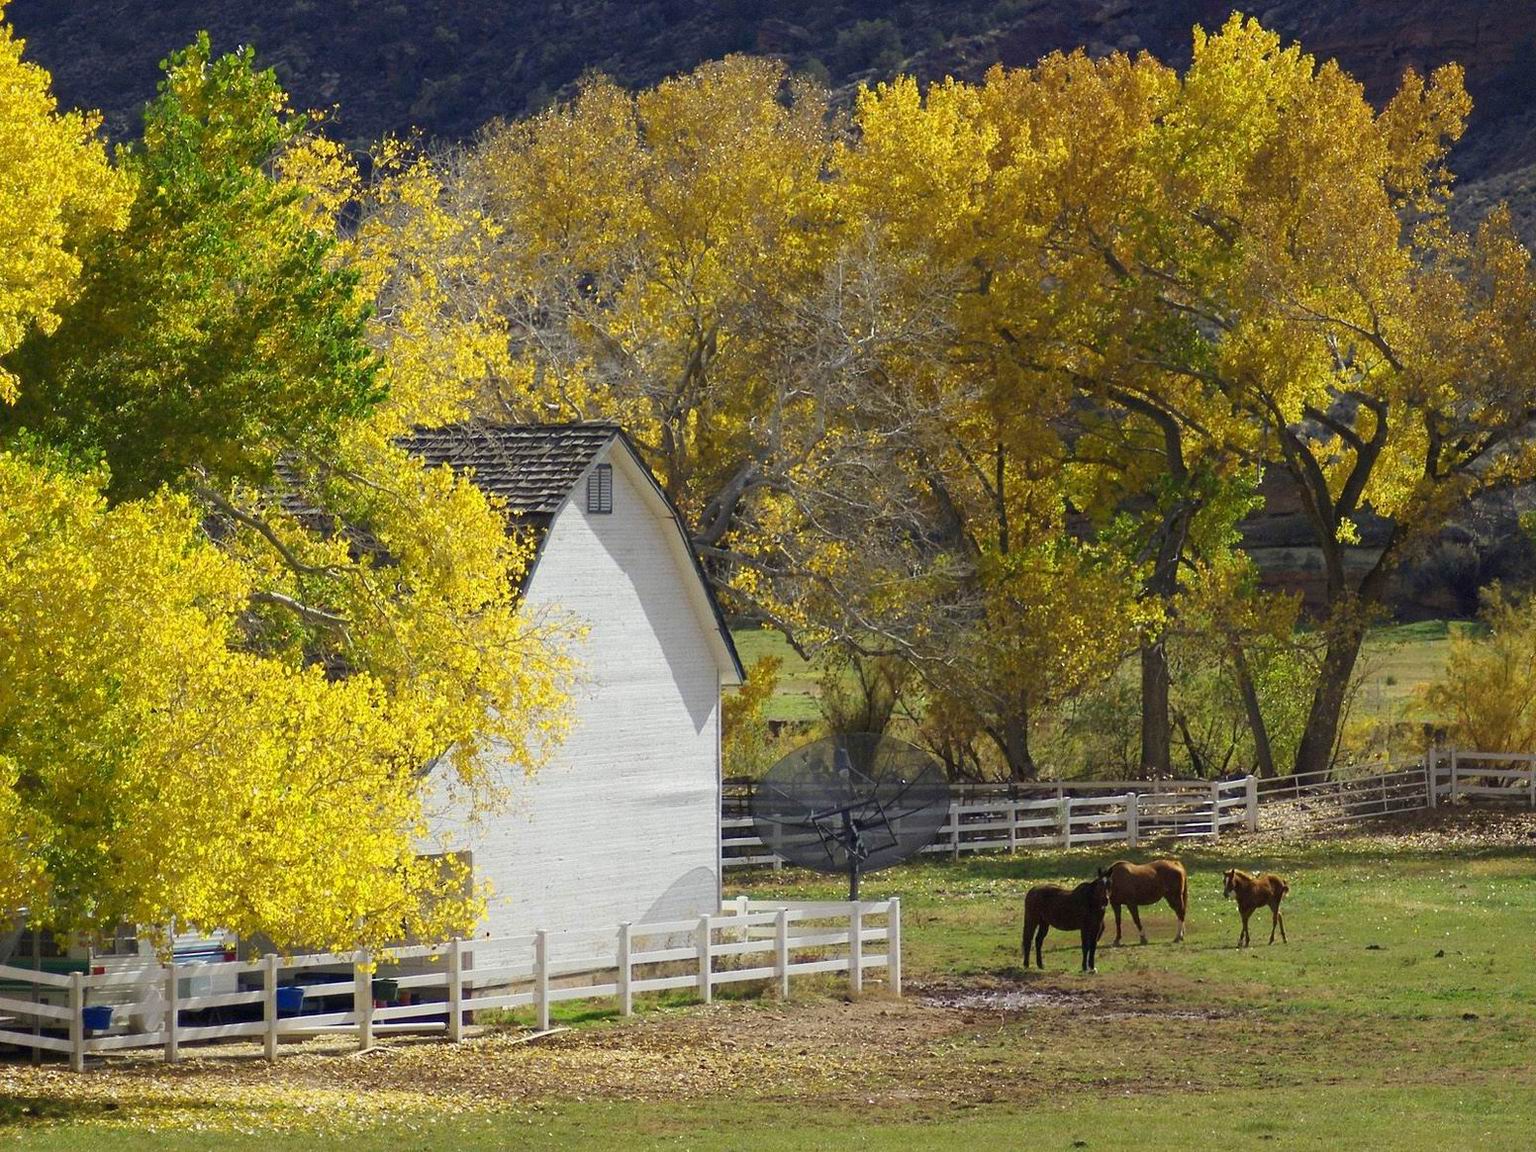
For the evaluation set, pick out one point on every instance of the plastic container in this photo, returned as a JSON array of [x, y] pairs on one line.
[[96, 1017], [290, 999]]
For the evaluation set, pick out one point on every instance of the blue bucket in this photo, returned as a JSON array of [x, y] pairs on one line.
[[290, 999], [96, 1018]]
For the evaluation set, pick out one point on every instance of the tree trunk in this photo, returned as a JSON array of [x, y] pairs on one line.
[[1263, 754], [1015, 747], [1156, 732], [1315, 752]]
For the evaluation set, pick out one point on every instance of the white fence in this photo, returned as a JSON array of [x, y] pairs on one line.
[[987, 818], [439, 988], [1080, 813]]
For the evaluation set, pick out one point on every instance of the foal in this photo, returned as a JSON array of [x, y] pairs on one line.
[[1255, 892], [1049, 906], [1138, 884]]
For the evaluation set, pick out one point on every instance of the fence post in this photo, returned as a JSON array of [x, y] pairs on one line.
[[954, 831], [1253, 802], [456, 990], [626, 997], [1431, 771], [541, 978], [1132, 818], [706, 986], [856, 948], [269, 1003], [172, 1014], [1013, 827], [1216, 810], [742, 906], [1455, 776], [77, 1021], [362, 1000], [1066, 821], [781, 951], [893, 946]]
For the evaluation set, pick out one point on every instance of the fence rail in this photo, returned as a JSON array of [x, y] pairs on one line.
[[440, 988], [1002, 817], [988, 819]]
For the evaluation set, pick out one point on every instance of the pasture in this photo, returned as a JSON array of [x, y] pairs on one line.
[[1401, 1015]]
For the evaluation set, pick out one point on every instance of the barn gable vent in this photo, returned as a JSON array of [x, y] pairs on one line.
[[600, 489]]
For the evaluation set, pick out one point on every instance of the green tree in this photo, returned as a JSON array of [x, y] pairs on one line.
[[217, 330]]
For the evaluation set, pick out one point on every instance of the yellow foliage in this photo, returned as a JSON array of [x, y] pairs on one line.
[[56, 192], [1487, 696]]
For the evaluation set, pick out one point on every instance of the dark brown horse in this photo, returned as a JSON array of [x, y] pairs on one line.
[[1136, 884], [1049, 906]]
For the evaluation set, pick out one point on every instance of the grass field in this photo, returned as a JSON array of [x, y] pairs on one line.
[[1401, 1015], [1396, 664]]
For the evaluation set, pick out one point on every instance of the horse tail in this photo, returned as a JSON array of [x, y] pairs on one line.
[[1183, 893], [1285, 889]]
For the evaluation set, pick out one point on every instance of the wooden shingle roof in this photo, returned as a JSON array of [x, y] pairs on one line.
[[532, 467]]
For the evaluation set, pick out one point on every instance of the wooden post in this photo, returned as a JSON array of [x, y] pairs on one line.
[[456, 990], [1013, 826], [1431, 776], [76, 1021], [743, 908], [172, 1022], [269, 1003], [954, 831], [1066, 821], [1215, 810], [362, 1000], [893, 946], [706, 986], [781, 951], [1132, 819], [541, 978], [1455, 776], [856, 948], [1252, 786], [626, 997]]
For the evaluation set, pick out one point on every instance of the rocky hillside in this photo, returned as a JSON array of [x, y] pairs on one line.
[[445, 66]]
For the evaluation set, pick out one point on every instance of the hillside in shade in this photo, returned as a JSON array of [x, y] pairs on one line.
[[446, 66]]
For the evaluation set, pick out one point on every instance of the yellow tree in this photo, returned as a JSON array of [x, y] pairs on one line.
[[220, 697], [56, 194], [655, 246], [1305, 266]]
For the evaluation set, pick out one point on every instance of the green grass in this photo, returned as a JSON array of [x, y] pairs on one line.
[[1397, 663], [1401, 1015], [795, 699]]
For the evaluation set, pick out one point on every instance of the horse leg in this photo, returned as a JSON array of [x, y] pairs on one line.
[[1242, 939], [1029, 929], [1136, 919], [1280, 921], [1040, 944], [1117, 923], [1177, 903], [1090, 943]]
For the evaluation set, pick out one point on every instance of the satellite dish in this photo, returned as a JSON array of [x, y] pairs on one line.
[[851, 804]]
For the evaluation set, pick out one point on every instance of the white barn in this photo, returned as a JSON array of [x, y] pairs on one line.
[[623, 823]]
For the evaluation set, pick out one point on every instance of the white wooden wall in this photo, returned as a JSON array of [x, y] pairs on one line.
[[623, 823]]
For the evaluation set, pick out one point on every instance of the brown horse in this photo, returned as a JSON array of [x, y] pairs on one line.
[[1049, 906], [1138, 884], [1254, 892]]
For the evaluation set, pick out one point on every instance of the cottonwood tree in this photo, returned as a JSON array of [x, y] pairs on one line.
[[228, 664], [1307, 269]]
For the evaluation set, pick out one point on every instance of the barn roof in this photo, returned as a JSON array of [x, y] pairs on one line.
[[534, 469]]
